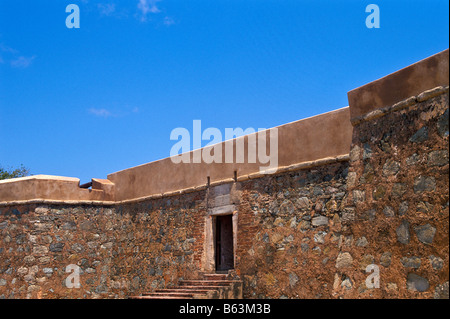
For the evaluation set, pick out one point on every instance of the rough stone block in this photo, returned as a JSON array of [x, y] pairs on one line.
[[417, 283], [319, 221], [424, 184], [420, 136], [344, 260], [425, 233], [403, 235]]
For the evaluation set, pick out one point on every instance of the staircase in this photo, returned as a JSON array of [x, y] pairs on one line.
[[211, 286]]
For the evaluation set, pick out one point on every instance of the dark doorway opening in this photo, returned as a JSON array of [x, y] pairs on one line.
[[224, 243]]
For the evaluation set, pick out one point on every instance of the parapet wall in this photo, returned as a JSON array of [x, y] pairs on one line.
[[398, 86], [322, 136], [51, 188]]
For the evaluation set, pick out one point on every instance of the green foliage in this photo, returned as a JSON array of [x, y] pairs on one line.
[[13, 173]]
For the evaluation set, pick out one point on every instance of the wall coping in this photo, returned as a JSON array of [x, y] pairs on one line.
[[410, 81], [413, 100], [40, 177]]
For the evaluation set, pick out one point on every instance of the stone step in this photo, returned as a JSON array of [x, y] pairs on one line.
[[202, 287], [192, 289], [172, 294], [212, 285], [215, 276], [158, 297], [205, 282]]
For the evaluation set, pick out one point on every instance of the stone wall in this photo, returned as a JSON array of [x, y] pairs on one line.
[[39, 242], [398, 188], [288, 234], [124, 250], [121, 251]]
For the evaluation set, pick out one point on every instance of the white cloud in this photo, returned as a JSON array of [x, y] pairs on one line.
[[7, 49], [146, 7], [22, 62], [117, 112], [168, 21], [13, 57], [100, 112], [106, 9]]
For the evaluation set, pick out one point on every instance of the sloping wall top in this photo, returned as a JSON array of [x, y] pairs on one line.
[[321, 136], [410, 81]]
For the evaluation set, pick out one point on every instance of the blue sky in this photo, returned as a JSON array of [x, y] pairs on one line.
[[91, 101]]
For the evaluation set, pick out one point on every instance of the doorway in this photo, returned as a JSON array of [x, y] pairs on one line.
[[224, 243]]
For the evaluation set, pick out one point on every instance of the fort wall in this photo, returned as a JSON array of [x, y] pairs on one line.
[[377, 197]]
